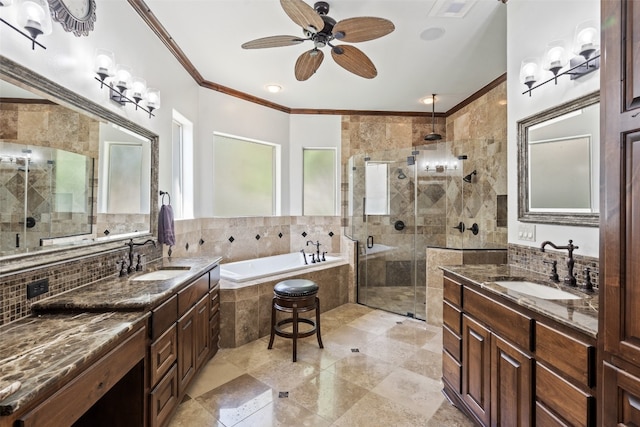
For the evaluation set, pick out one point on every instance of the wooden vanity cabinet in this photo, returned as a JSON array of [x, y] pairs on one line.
[[517, 368]]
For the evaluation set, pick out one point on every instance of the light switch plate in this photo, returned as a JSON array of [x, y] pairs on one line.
[[527, 232]]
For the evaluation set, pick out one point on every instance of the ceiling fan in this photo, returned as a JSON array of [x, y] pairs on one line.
[[322, 30]]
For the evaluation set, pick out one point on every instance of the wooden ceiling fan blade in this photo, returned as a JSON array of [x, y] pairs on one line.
[[361, 29], [354, 60], [272, 41], [308, 63], [303, 15]]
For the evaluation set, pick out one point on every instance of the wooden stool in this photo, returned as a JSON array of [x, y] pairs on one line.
[[295, 296]]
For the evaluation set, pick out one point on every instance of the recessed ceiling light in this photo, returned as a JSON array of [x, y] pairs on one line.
[[433, 33], [273, 88]]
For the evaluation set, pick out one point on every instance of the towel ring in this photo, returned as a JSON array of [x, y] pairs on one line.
[[163, 193]]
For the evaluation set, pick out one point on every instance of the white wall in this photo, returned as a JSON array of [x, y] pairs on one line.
[[311, 131], [531, 24]]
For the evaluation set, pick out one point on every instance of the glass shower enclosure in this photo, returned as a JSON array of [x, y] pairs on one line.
[[400, 201]]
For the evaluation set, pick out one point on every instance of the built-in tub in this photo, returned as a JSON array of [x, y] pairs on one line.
[[252, 269]]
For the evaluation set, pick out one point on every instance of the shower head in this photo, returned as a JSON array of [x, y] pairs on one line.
[[401, 174], [433, 136], [468, 177]]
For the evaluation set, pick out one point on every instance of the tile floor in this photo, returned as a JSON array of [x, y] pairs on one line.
[[376, 369]]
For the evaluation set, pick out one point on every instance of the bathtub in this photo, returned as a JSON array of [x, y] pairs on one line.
[[251, 269]]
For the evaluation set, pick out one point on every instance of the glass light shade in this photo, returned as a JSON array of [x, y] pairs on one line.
[[153, 99], [529, 71], [138, 88], [586, 39], [122, 78], [6, 3], [555, 56], [104, 63], [34, 16]]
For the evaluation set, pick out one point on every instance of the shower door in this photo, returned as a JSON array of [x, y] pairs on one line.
[[383, 221]]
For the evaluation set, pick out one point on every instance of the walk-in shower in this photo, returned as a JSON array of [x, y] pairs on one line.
[[425, 190]]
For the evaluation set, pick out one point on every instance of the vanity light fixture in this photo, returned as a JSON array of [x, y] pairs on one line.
[[440, 166], [31, 15], [124, 88], [586, 58]]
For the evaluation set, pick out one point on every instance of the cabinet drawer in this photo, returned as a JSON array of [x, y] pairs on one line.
[[567, 354], [452, 317], [452, 292], [451, 372], [563, 398], [163, 317], [451, 342], [504, 320], [164, 398], [544, 418], [162, 354], [192, 293]]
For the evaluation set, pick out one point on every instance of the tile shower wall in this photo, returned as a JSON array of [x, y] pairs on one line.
[[42, 124], [63, 275], [531, 258]]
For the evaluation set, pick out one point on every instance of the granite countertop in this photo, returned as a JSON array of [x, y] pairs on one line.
[[126, 293], [37, 351], [580, 314]]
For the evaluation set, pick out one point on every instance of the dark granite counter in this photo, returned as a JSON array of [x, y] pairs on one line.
[[38, 351], [580, 314], [127, 293]]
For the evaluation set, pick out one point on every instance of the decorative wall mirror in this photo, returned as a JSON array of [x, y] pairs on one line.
[[107, 135], [558, 164]]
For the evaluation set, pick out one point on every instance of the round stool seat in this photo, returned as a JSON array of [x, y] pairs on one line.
[[295, 288]]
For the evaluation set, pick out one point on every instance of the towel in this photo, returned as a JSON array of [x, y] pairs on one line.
[[166, 233]]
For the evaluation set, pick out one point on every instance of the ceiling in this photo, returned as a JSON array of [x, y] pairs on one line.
[[467, 53]]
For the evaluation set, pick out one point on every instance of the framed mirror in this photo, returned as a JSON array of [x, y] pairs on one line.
[[44, 117], [558, 164]]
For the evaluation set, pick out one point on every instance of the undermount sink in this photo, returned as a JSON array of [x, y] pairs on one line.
[[164, 273], [536, 290]]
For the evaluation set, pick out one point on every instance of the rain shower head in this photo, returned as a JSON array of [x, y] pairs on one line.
[[433, 136], [468, 177]]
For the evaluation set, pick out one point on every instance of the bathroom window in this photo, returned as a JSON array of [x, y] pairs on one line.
[[246, 177], [181, 159], [376, 189], [319, 181]]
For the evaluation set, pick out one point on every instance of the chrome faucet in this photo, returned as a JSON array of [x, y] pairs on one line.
[[569, 279], [317, 245], [131, 244]]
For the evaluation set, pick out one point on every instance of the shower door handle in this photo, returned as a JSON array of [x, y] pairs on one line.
[[369, 242]]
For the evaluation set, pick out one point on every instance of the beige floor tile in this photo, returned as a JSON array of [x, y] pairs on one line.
[[450, 416], [253, 354], [374, 410], [327, 395], [390, 351], [283, 413], [435, 343], [372, 324], [363, 370], [416, 392], [410, 334], [191, 413], [348, 336], [284, 375], [213, 375], [237, 399], [425, 363]]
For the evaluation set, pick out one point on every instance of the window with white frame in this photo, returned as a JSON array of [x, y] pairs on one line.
[[246, 177], [319, 181], [181, 176]]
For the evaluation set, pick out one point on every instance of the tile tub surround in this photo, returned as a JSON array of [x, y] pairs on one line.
[[65, 345], [245, 313], [532, 258], [66, 270], [437, 257]]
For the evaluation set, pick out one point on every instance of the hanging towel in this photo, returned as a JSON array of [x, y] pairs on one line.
[[166, 233]]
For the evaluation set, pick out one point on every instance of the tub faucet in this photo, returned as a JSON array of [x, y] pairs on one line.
[[569, 279], [317, 245], [304, 256], [131, 244]]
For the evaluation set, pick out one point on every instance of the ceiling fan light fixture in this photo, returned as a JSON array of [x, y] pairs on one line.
[[273, 88]]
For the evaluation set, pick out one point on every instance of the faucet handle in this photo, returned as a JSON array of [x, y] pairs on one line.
[[554, 270]]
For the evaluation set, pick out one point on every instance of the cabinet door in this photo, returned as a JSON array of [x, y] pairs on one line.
[[186, 353], [476, 368], [620, 397], [202, 332], [511, 385]]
